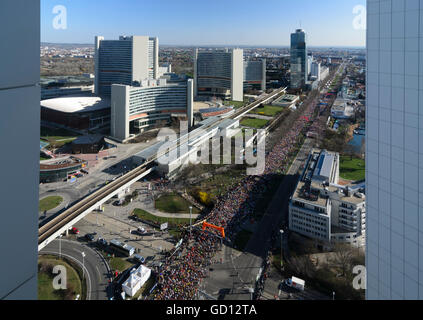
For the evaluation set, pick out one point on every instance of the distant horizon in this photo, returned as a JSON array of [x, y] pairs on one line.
[[214, 45]]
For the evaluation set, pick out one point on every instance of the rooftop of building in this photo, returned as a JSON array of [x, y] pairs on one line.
[[60, 163], [89, 139], [319, 175], [77, 103]]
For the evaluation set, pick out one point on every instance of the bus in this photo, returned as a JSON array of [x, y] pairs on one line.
[[124, 249]]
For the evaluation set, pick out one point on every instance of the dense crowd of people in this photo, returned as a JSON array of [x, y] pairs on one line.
[[181, 274]]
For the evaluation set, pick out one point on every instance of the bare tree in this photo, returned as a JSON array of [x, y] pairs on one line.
[[343, 258]]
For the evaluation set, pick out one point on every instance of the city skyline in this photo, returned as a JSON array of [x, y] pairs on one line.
[[161, 19]]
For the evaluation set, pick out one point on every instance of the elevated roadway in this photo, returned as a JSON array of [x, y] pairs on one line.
[[64, 221]]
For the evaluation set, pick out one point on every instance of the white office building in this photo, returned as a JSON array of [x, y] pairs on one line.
[[323, 210], [219, 73], [165, 68], [309, 63], [394, 149], [124, 61], [315, 70], [20, 132], [151, 101]]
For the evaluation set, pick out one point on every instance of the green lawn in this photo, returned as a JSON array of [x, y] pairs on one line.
[[352, 169], [218, 184], [119, 264], [45, 280], [49, 203], [174, 203], [254, 123], [242, 239], [57, 137], [142, 214], [269, 111], [236, 104]]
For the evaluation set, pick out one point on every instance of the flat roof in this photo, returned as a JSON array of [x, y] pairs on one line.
[[324, 166], [89, 139], [76, 103]]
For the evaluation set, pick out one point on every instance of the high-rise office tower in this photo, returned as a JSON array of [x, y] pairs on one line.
[[19, 145], [255, 74], [394, 149], [219, 73], [299, 59], [124, 61]]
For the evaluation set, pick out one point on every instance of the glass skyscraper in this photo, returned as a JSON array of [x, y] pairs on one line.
[[299, 58], [394, 149]]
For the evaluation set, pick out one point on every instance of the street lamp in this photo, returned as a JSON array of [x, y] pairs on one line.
[[333, 295], [60, 246], [251, 292], [83, 270], [190, 220], [281, 231]]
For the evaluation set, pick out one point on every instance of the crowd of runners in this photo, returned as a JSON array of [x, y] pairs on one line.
[[181, 274]]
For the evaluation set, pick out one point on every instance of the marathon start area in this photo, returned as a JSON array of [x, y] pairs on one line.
[[211, 309]]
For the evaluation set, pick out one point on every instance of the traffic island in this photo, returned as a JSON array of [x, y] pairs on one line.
[[49, 203], [75, 287]]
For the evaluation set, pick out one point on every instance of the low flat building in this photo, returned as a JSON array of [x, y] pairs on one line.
[[88, 144], [56, 92], [190, 144], [286, 101], [59, 169], [322, 209], [342, 109], [82, 112]]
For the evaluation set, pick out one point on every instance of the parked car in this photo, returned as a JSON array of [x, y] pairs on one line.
[[75, 230], [142, 230], [89, 237], [101, 241], [139, 258]]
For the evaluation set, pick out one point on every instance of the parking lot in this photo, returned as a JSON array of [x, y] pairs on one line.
[[114, 223]]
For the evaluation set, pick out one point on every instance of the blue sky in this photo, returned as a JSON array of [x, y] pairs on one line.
[[206, 22]]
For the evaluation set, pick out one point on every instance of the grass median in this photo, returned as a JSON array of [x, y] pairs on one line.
[[49, 203], [269, 111], [254, 123], [74, 284], [174, 203]]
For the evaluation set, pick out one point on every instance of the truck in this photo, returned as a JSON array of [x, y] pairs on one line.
[[295, 283]]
